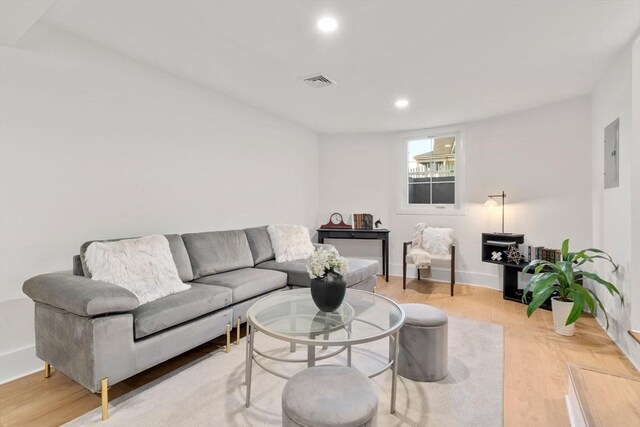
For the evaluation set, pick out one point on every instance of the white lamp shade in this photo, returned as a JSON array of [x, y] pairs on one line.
[[491, 203]]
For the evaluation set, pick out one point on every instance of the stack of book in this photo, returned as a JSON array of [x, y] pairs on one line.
[[551, 255], [363, 221], [544, 254]]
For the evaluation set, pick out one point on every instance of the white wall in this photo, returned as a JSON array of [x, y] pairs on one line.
[[96, 145], [540, 157], [635, 192], [613, 226]]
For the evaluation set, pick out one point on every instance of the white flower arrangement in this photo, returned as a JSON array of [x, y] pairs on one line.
[[324, 261]]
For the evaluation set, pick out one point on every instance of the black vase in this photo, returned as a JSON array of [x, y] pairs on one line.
[[328, 292]]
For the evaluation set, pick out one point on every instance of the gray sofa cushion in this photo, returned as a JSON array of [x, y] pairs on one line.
[[359, 270], [296, 271], [180, 257], [217, 251], [77, 266], [176, 245], [175, 309], [247, 282], [260, 244]]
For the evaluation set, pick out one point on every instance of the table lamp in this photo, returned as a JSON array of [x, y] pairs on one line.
[[492, 203]]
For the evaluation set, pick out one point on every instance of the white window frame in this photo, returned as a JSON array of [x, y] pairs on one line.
[[404, 208]]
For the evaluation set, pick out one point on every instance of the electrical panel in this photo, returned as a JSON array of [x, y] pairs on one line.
[[611, 154]]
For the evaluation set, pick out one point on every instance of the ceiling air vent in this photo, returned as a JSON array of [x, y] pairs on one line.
[[318, 80]]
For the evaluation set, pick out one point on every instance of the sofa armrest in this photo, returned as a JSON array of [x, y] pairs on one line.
[[79, 295], [324, 246]]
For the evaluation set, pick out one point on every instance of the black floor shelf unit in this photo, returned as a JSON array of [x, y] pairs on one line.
[[499, 242]]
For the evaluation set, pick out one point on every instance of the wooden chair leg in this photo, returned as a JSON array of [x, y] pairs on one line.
[[404, 267], [453, 281], [47, 370], [453, 268]]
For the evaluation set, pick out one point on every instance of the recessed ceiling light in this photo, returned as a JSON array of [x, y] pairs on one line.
[[402, 103], [327, 24]]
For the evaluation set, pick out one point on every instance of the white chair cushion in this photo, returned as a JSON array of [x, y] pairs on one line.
[[436, 240], [436, 260], [441, 260]]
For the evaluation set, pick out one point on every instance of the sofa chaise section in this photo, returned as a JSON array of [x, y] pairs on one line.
[[359, 271], [361, 275]]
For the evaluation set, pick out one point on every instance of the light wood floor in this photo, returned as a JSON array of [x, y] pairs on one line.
[[606, 399], [535, 361]]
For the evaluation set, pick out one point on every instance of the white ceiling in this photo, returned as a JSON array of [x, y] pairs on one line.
[[455, 61]]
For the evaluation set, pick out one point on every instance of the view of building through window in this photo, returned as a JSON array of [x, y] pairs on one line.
[[431, 164]]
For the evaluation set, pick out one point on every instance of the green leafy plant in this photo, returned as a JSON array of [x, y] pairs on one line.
[[563, 278]]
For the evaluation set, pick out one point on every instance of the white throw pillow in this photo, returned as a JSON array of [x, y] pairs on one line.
[[144, 266], [436, 240], [290, 242]]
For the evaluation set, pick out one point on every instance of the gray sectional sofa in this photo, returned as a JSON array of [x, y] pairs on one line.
[[97, 333]]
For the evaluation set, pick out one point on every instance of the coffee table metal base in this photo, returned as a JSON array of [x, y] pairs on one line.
[[311, 359]]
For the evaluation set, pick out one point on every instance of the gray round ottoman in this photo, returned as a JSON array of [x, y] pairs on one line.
[[328, 396], [423, 343]]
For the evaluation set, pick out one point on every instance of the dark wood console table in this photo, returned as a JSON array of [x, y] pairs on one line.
[[375, 234]]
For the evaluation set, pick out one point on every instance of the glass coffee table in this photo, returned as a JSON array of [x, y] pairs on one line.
[[292, 317]]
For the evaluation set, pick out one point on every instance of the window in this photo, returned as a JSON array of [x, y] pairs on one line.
[[431, 172]]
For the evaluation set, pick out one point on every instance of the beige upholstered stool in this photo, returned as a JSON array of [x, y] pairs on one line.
[[329, 396], [423, 343]]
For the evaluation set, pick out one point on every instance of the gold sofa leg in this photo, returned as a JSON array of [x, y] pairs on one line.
[[228, 348], [104, 392], [238, 331], [47, 370]]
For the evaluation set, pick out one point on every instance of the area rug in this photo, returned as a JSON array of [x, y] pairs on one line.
[[211, 390]]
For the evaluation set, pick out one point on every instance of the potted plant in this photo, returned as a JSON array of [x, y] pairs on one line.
[[562, 281], [327, 269]]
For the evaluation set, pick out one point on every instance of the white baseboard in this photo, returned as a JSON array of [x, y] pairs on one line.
[[614, 326], [18, 363], [443, 275], [576, 419]]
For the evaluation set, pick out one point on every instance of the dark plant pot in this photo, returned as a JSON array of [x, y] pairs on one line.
[[328, 292]]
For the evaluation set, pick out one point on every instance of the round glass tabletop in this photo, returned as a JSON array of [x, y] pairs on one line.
[[294, 317]]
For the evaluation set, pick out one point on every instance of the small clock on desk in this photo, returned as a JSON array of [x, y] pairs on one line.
[[335, 221]]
